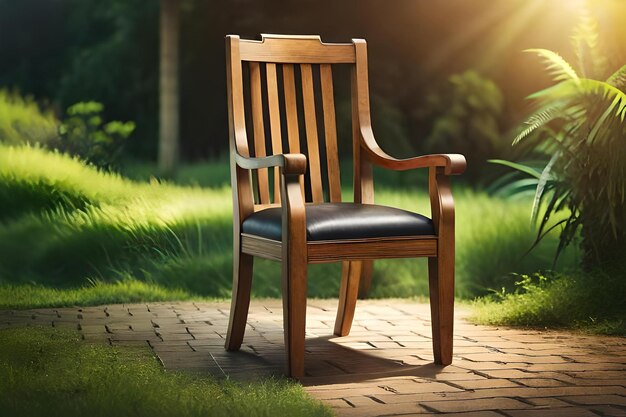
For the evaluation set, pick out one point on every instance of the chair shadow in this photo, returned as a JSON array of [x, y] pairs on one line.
[[328, 362]]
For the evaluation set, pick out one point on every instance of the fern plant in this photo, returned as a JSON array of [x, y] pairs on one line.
[[578, 126]]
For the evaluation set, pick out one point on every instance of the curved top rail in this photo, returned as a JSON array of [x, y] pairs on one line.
[[298, 49]]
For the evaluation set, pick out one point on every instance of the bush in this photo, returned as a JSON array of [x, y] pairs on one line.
[[83, 134]]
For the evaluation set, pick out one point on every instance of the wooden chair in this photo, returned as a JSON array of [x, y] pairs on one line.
[[299, 226]]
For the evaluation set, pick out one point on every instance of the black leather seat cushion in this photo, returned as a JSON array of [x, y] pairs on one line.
[[332, 221]]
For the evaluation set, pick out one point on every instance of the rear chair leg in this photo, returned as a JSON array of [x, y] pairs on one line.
[[367, 267], [348, 292], [240, 302]]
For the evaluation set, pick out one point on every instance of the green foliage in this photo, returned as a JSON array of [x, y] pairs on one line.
[[77, 224], [51, 372], [579, 129], [84, 134], [23, 121], [464, 117], [591, 301]]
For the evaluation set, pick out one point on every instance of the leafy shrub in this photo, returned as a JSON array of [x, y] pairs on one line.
[[84, 134], [579, 128], [23, 121]]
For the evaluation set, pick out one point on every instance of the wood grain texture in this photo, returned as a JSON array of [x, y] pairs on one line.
[[292, 163], [274, 111], [262, 247], [296, 50], [348, 291], [378, 248], [330, 133], [243, 203], [240, 300], [326, 251], [308, 98], [256, 104], [441, 274], [363, 172], [294, 273], [365, 282], [291, 110]]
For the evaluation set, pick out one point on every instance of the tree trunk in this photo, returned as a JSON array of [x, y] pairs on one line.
[[169, 88]]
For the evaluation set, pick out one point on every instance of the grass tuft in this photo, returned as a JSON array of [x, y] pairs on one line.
[[591, 302]]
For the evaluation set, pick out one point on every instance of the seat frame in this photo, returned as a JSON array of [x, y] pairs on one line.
[[294, 251]]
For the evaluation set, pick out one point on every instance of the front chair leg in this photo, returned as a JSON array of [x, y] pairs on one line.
[[294, 273], [441, 283], [240, 302], [294, 278], [348, 292]]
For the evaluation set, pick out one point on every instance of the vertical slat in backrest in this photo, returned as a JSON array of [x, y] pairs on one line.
[[291, 110], [274, 111], [330, 133], [256, 102], [280, 54], [310, 121]]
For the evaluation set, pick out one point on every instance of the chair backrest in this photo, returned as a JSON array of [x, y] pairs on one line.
[[281, 100]]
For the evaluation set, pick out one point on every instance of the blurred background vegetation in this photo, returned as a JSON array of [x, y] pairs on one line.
[[67, 51], [86, 217]]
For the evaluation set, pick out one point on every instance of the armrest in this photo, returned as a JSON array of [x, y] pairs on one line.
[[291, 163], [453, 164]]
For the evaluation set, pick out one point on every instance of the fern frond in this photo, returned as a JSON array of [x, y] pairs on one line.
[[592, 63], [538, 120], [608, 92], [618, 78], [618, 106], [558, 67], [546, 175], [533, 172], [585, 87]]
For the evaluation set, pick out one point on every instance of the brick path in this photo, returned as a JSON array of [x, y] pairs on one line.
[[384, 367]]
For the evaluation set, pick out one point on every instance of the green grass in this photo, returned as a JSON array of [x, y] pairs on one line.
[[94, 293], [64, 224], [591, 302], [51, 372]]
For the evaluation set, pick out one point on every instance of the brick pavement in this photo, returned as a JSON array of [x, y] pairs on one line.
[[384, 367]]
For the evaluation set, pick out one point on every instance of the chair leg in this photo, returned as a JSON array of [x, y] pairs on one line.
[[441, 283], [348, 292], [367, 267], [240, 302], [294, 277]]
